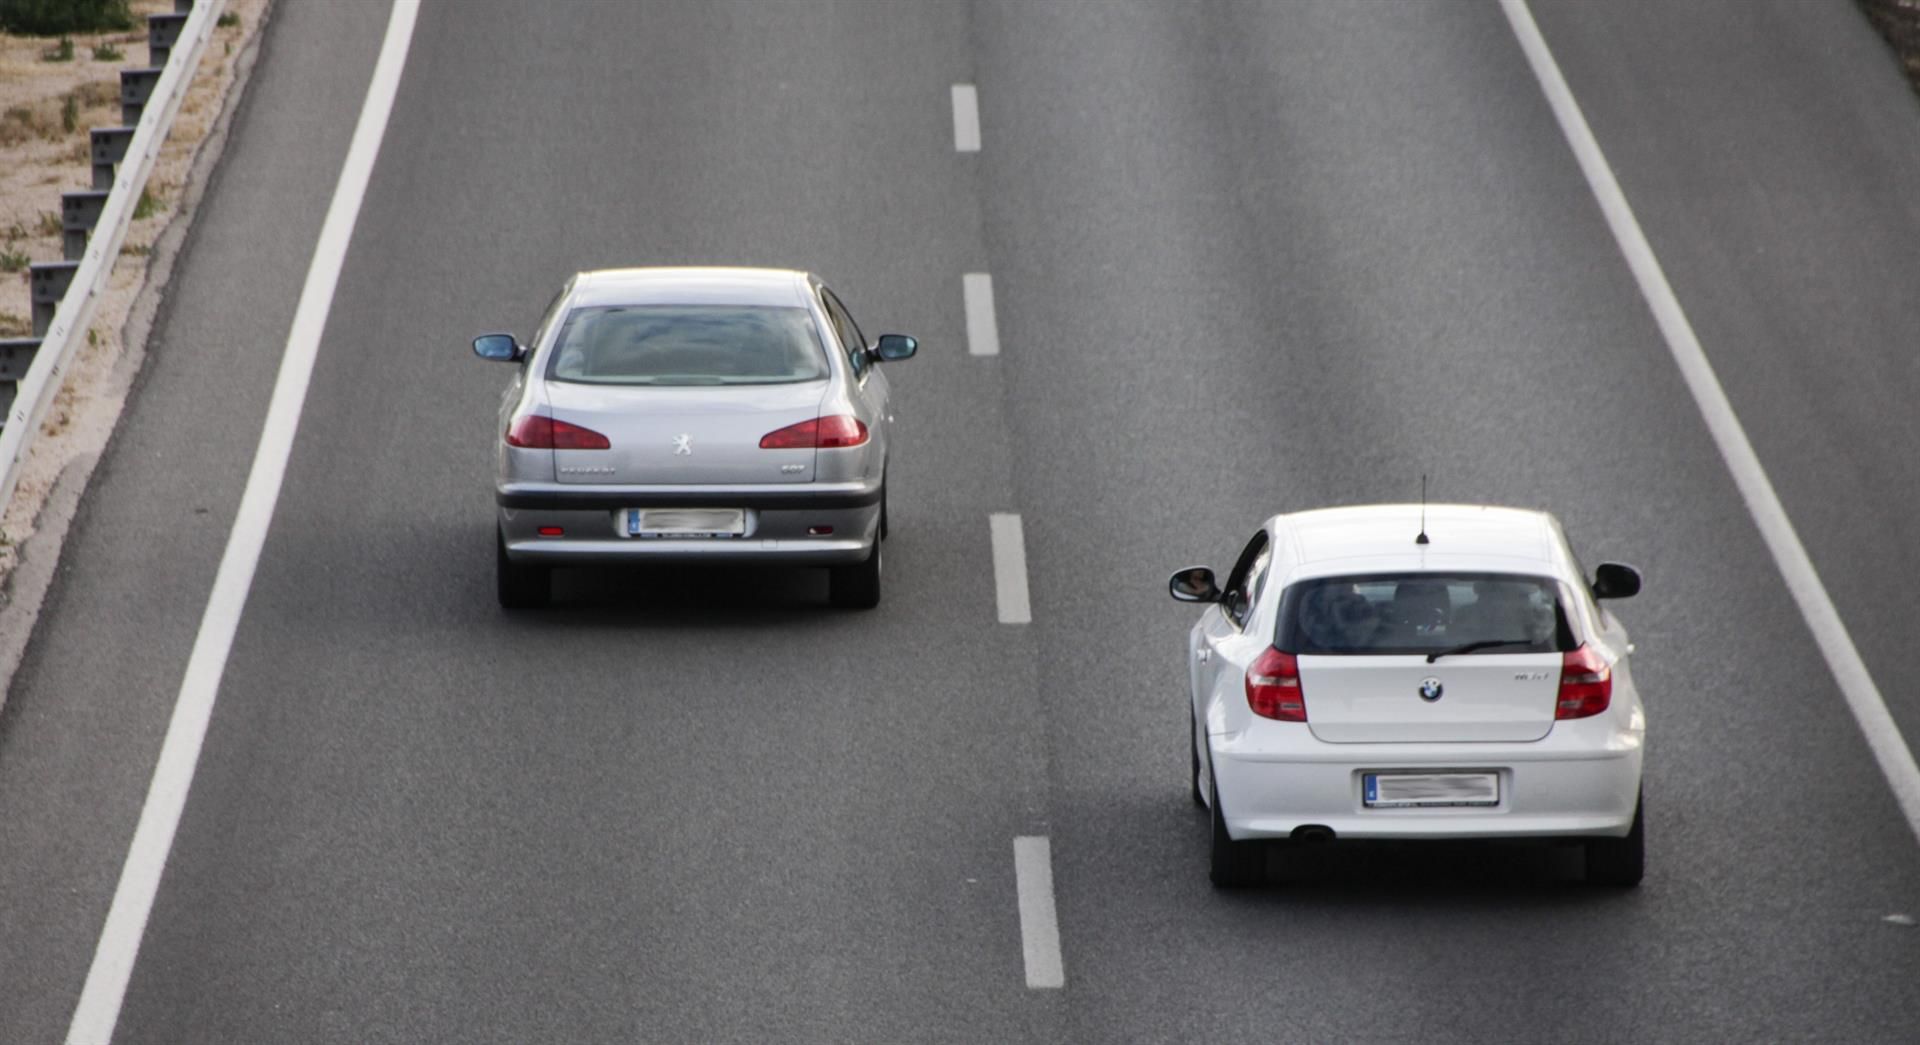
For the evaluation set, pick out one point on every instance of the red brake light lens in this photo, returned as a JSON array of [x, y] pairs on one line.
[[539, 432], [824, 433], [1586, 684], [1273, 687]]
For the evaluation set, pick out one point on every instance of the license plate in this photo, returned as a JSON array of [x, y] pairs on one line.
[[686, 522], [1402, 790]]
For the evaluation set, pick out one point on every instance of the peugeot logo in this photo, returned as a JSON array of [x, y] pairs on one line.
[[1430, 689], [683, 445]]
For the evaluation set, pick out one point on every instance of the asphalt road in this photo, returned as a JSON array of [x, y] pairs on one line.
[[1247, 258]]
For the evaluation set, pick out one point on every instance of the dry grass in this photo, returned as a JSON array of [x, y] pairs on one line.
[[36, 119], [96, 94]]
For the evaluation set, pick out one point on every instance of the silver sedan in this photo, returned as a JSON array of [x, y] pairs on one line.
[[693, 414]]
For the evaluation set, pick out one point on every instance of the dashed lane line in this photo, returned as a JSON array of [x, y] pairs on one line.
[[1010, 568], [966, 118], [983, 326], [1039, 925]]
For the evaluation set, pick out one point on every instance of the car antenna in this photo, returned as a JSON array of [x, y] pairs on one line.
[[1422, 539]]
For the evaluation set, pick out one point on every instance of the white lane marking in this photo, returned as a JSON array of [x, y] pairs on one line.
[[966, 118], [1010, 568], [983, 327], [98, 1010], [1039, 926], [1790, 557]]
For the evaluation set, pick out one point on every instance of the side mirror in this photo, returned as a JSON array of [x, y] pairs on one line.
[[1193, 584], [1613, 580], [895, 347], [501, 348]]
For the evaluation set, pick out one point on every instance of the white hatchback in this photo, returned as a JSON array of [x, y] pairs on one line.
[[1399, 671]]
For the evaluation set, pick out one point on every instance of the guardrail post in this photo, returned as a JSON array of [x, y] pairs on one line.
[[107, 147], [47, 282], [79, 213], [136, 86], [15, 354], [163, 31]]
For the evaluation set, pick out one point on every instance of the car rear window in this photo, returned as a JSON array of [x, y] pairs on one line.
[[688, 345], [1424, 613]]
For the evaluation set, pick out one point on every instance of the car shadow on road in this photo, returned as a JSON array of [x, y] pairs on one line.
[[696, 596], [1433, 873], [1432, 869]]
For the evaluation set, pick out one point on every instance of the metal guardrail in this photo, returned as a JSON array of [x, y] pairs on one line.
[[94, 225]]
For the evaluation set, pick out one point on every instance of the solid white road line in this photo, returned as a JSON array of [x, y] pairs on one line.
[[983, 327], [99, 1006], [966, 118], [1039, 926], [1823, 620], [1010, 568]]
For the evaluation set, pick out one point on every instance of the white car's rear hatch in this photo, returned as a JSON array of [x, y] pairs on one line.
[[1427, 655], [1472, 697]]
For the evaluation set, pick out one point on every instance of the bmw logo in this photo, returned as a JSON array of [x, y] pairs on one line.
[[1430, 689]]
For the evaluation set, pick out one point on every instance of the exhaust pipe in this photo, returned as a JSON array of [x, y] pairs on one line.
[[1315, 833]]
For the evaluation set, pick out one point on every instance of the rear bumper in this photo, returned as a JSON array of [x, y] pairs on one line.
[[569, 497], [822, 551], [1581, 782], [779, 524]]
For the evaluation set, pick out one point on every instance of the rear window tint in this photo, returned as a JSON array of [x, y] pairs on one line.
[[688, 345], [1424, 613]]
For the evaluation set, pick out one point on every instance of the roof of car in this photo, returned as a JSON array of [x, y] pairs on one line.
[[1381, 537], [692, 286]]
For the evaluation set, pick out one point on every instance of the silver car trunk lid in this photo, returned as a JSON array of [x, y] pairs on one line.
[[1402, 698], [685, 435]]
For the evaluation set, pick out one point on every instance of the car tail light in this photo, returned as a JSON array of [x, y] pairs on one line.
[[1273, 687], [1586, 684], [823, 433], [539, 432]]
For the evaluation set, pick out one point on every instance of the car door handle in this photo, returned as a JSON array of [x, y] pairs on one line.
[[1205, 654]]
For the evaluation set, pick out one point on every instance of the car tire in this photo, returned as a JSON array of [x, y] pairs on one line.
[[883, 513], [522, 586], [856, 587], [1620, 862], [1234, 865], [1193, 752]]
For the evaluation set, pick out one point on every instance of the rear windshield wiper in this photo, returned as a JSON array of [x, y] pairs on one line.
[[1479, 645]]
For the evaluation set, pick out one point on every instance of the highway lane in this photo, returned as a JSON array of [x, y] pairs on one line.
[[1331, 246], [1790, 229], [680, 807], [1350, 246]]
